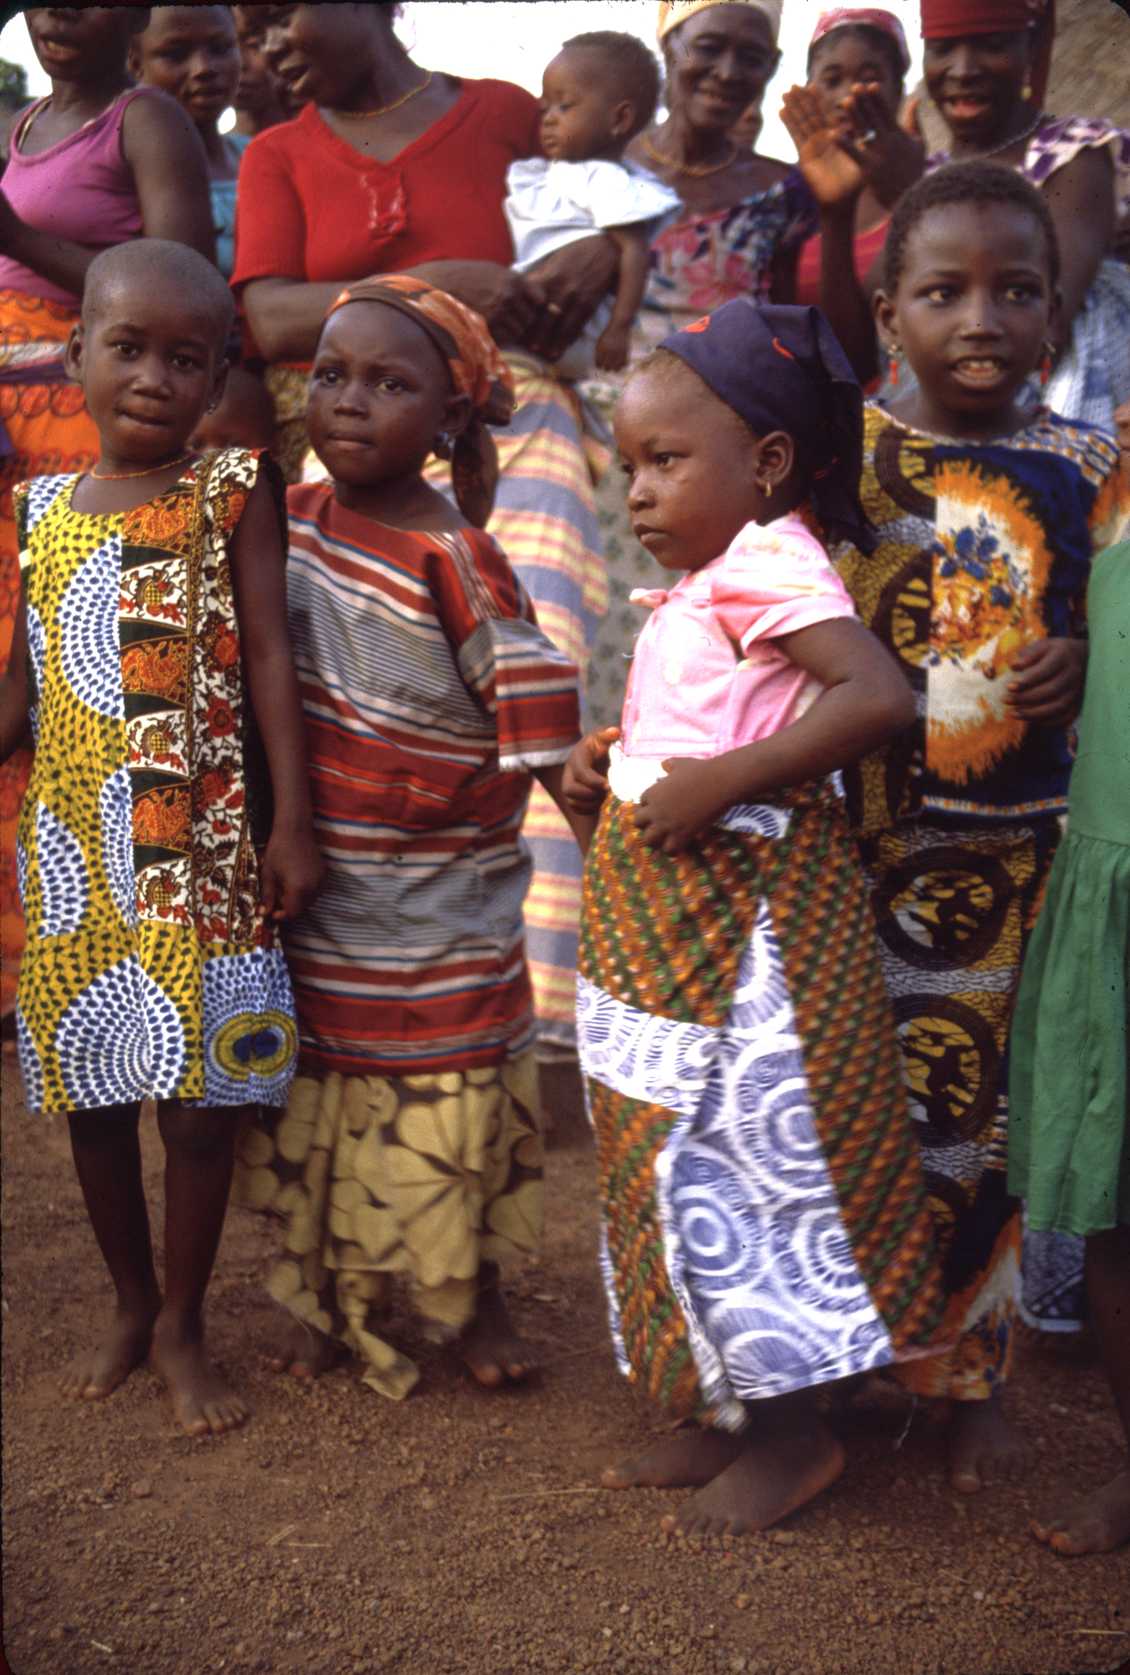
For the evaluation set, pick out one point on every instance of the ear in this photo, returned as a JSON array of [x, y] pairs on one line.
[[883, 308], [219, 385], [456, 415], [623, 119], [133, 59], [72, 354], [775, 458]]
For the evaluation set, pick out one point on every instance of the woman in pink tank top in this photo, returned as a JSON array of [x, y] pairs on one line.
[[96, 162]]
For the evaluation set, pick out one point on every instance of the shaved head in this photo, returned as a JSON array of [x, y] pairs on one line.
[[160, 267]]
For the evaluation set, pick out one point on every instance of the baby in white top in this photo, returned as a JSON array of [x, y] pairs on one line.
[[598, 93]]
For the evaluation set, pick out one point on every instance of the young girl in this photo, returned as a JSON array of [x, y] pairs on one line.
[[95, 162], [597, 94], [988, 512], [152, 968], [411, 1145], [1069, 1126], [191, 53], [766, 1229]]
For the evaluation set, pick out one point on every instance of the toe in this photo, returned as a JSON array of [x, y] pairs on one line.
[[966, 1479]]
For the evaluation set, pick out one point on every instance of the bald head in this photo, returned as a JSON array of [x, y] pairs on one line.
[[160, 268]]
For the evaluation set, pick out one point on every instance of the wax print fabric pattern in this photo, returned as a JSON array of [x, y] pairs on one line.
[[149, 969], [982, 548]]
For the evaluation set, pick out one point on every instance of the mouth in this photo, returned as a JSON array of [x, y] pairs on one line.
[[292, 75], [62, 51], [337, 440], [147, 421], [646, 536], [980, 371], [967, 107], [724, 101]]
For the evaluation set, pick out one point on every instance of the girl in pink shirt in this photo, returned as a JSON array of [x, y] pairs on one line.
[[765, 1225]]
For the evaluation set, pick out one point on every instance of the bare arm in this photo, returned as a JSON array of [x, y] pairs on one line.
[[1081, 199], [14, 694], [581, 823], [613, 344], [170, 173], [292, 865], [866, 700]]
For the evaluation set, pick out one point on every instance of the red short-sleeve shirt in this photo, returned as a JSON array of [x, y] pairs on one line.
[[312, 207]]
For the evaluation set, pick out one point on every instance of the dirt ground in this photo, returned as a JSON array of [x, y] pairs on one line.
[[459, 1532]]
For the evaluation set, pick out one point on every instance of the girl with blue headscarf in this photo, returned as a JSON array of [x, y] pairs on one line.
[[765, 1228]]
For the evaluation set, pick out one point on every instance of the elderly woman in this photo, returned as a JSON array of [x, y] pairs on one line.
[[393, 168]]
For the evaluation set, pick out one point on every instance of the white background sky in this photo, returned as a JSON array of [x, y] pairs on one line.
[[513, 40]]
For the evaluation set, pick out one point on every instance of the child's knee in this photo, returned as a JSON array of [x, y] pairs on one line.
[[200, 1133]]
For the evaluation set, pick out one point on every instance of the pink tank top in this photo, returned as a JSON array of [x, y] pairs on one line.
[[80, 189]]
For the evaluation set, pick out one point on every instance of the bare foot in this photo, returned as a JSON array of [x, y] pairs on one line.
[[770, 1478], [98, 1371], [984, 1446], [493, 1352], [305, 1353], [1098, 1523], [203, 1401], [687, 1460]]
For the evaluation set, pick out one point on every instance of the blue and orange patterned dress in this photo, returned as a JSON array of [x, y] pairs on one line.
[[983, 548], [149, 970]]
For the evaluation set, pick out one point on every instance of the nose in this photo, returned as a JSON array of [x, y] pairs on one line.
[[981, 318], [639, 493], [964, 61], [150, 375], [272, 44], [349, 397]]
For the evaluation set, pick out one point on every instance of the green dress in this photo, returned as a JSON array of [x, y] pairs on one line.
[[1069, 1127]]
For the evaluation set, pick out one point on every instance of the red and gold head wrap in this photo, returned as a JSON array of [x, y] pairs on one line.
[[863, 17], [946, 20], [477, 371]]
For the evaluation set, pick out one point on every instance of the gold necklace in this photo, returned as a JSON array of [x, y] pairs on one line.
[[698, 170], [383, 110], [150, 471]]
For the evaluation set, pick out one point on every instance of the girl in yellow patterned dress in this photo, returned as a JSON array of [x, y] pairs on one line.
[[988, 513], [165, 716]]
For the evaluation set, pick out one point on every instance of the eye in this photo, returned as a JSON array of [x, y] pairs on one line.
[[391, 385], [1022, 292], [325, 374], [126, 350], [940, 293], [186, 363]]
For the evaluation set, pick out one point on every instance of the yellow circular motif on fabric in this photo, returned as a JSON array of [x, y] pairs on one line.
[[254, 1044]]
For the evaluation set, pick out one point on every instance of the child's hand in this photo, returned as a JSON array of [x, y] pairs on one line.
[[585, 785], [290, 876], [1049, 683], [677, 809], [1122, 419], [612, 348]]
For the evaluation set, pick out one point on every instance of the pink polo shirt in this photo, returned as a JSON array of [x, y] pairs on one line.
[[708, 674]]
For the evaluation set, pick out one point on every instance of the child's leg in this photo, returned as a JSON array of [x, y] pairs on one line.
[[492, 1349], [984, 1445], [107, 1157], [785, 1459], [199, 1152], [1101, 1520]]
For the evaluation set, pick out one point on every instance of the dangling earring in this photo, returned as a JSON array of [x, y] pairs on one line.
[[444, 444], [1047, 360], [893, 364], [1026, 92]]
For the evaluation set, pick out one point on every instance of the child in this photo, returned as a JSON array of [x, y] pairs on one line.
[[152, 968], [411, 1145], [244, 416], [260, 99], [988, 512], [766, 1229], [191, 53], [1069, 1133], [598, 93]]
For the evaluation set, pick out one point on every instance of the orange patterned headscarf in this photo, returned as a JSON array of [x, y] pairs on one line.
[[477, 370]]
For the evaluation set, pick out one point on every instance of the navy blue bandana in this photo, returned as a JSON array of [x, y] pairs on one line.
[[782, 368]]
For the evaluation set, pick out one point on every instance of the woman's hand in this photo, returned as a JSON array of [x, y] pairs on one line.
[[674, 811], [1049, 683], [585, 784], [291, 874], [834, 175], [890, 159], [572, 282]]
